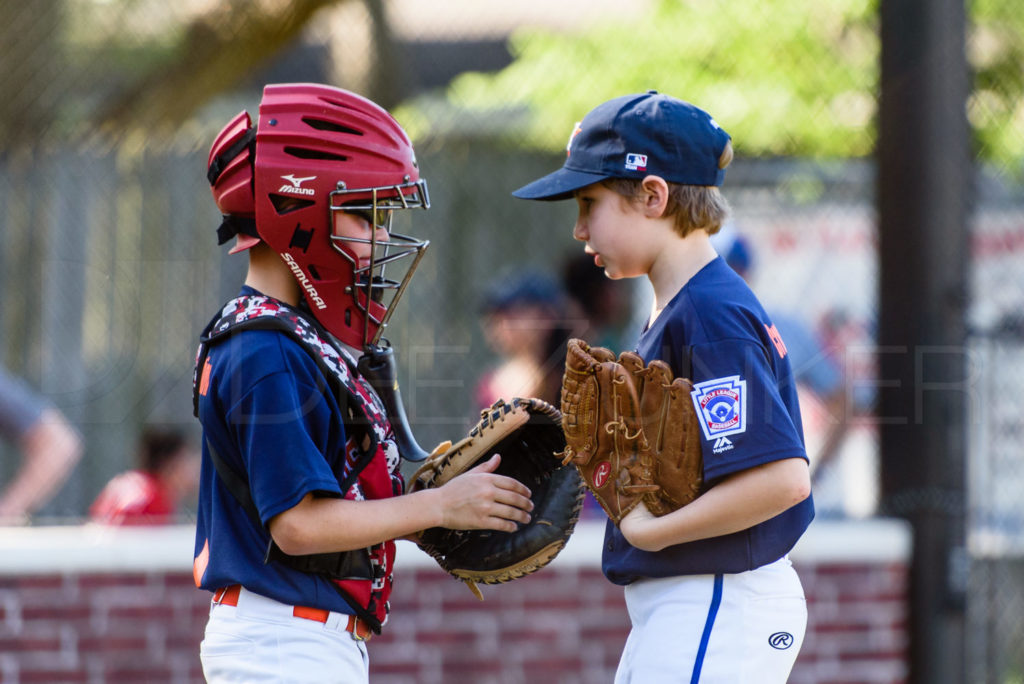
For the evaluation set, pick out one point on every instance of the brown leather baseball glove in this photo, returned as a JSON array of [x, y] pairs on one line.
[[631, 430]]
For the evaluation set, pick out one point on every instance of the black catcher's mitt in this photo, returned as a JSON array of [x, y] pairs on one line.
[[528, 435]]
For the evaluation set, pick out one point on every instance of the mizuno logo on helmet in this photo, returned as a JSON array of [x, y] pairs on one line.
[[296, 185], [314, 296]]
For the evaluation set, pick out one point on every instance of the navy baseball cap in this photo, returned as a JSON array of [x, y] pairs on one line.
[[634, 136]]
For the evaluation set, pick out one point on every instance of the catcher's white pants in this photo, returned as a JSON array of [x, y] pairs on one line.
[[711, 629], [260, 640]]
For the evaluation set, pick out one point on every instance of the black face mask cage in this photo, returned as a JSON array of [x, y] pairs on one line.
[[370, 277]]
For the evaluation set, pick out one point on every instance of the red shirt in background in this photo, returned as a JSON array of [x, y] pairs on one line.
[[133, 498]]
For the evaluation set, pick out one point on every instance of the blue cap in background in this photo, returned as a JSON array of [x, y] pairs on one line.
[[634, 136], [526, 288]]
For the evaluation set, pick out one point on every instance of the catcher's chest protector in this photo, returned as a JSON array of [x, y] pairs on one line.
[[364, 472]]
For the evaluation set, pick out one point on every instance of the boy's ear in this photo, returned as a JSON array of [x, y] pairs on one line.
[[654, 195]]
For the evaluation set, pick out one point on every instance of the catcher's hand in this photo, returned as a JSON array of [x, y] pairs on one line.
[[631, 430], [527, 434], [481, 499]]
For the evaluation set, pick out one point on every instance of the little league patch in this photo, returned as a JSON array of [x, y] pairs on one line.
[[721, 405]]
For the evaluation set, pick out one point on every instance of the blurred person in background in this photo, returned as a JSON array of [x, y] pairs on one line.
[[525, 323], [600, 307], [834, 367], [49, 448], [166, 477], [818, 373], [602, 303]]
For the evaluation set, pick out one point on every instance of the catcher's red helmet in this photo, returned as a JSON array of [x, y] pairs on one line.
[[317, 150], [230, 173]]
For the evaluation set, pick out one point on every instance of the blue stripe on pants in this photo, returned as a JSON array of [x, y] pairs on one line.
[[716, 600]]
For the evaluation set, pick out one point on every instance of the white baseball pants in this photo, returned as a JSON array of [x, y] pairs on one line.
[[715, 629], [260, 640]]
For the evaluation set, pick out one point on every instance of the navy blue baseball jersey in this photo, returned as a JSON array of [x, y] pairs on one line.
[[265, 407], [715, 332]]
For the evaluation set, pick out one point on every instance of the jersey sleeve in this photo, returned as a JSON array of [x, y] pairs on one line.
[[744, 420], [286, 429]]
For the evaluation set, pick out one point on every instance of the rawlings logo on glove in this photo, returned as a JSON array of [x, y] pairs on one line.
[[631, 431]]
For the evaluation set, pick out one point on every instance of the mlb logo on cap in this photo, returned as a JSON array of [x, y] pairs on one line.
[[636, 162]]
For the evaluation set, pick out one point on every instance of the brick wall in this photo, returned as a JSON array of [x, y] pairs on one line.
[[559, 625], [856, 623], [91, 628], [88, 605]]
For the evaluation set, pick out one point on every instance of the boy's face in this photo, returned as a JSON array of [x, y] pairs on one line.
[[613, 229], [357, 227]]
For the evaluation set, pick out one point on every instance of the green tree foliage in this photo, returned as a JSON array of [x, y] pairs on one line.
[[995, 47], [792, 78], [797, 78]]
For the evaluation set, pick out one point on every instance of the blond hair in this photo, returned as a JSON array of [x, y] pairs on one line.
[[694, 207]]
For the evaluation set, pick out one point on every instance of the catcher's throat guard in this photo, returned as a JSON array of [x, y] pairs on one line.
[[377, 366]]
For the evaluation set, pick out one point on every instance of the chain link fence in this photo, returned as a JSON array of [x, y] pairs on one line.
[[110, 268]]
